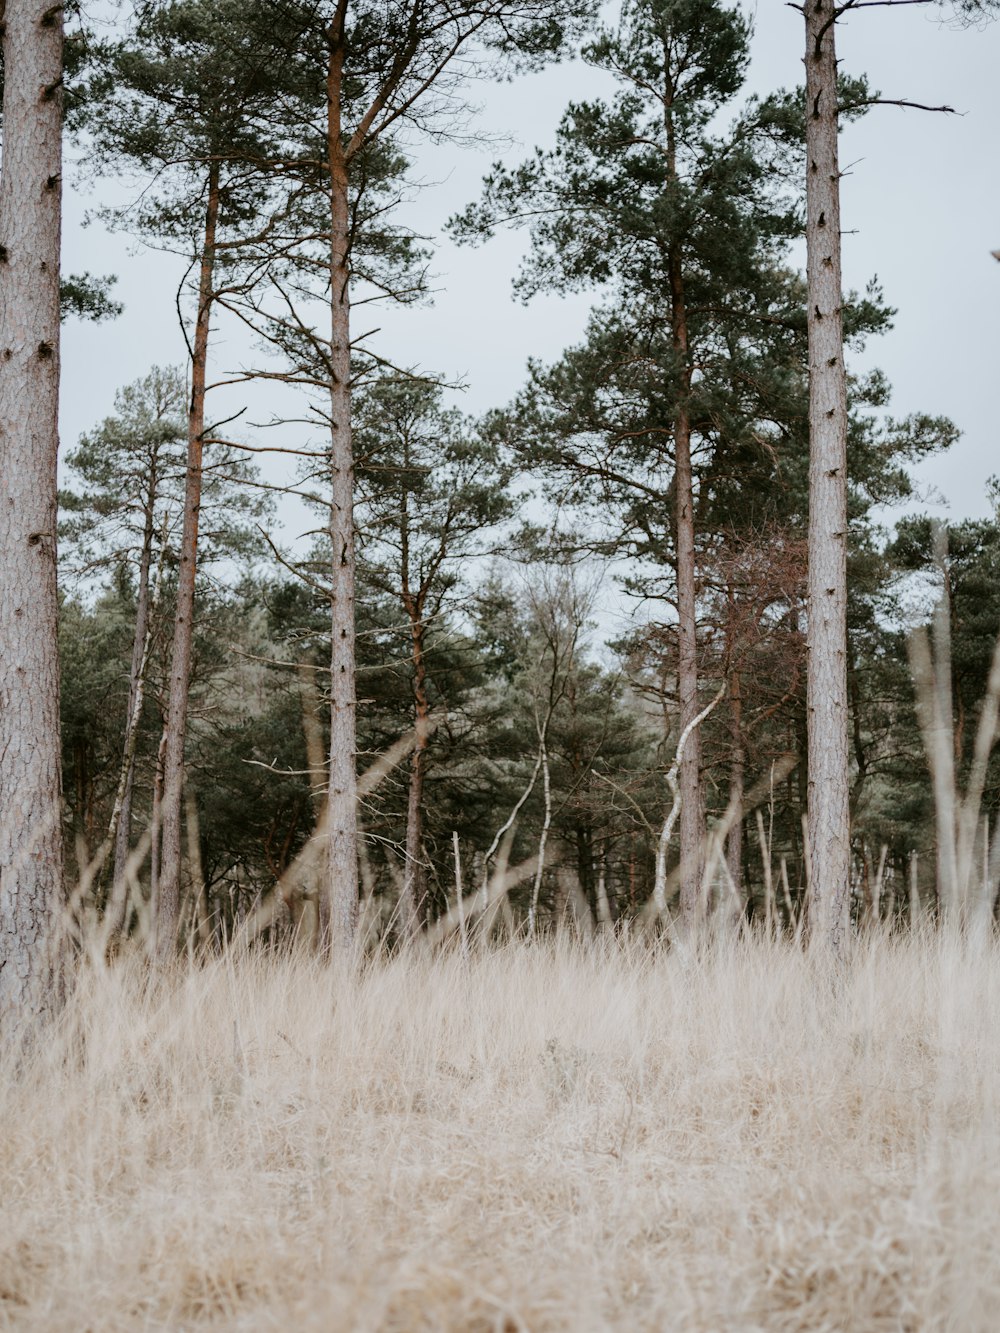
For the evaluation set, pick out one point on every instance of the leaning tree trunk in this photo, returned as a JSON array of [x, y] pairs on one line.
[[339, 900], [31, 850], [169, 897], [826, 693]]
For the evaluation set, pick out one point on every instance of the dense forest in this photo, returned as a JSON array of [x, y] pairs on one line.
[[410, 721]]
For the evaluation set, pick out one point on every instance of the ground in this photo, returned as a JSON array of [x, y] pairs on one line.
[[551, 1137]]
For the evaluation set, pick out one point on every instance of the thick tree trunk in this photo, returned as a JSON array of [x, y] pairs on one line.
[[339, 901], [168, 907], [31, 850], [411, 898], [826, 695]]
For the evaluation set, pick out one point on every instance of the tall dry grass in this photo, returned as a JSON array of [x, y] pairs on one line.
[[549, 1137]]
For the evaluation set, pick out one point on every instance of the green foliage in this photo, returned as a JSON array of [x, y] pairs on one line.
[[87, 297], [129, 492]]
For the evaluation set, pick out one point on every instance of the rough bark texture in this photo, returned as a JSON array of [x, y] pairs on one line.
[[31, 856], [339, 902], [826, 696], [168, 905]]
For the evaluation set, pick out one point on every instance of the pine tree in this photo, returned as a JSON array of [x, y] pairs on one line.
[[383, 69], [31, 850], [198, 95], [125, 521], [430, 489], [827, 704], [688, 228]]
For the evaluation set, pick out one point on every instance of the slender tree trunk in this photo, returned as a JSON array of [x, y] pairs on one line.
[[826, 694], [168, 909], [411, 899], [585, 864], [734, 839], [604, 917], [303, 907], [154, 840], [339, 902], [120, 827], [692, 811], [536, 888], [31, 846]]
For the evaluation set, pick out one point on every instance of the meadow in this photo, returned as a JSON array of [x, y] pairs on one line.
[[558, 1136]]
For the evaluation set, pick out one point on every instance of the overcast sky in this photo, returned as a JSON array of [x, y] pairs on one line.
[[922, 204]]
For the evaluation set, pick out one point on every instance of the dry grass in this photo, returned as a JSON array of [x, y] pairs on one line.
[[547, 1138]]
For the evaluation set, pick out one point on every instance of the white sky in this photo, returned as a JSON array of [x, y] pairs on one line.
[[922, 199]]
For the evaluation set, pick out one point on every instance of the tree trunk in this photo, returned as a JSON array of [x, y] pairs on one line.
[[154, 843], [339, 902], [692, 811], [604, 917], [734, 839], [411, 898], [302, 906], [826, 694], [168, 907], [31, 845], [120, 826]]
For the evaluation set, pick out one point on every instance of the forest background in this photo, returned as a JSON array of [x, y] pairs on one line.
[[553, 688], [456, 717]]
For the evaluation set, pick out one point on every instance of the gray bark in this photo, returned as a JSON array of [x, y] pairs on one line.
[[339, 901], [31, 848], [692, 805], [826, 694]]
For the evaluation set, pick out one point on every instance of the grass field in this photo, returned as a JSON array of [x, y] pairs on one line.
[[538, 1138]]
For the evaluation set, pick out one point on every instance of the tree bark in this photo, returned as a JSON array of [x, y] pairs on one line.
[[692, 811], [120, 824], [826, 691], [168, 906], [120, 827], [339, 902], [31, 845], [737, 764], [154, 842], [411, 898]]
